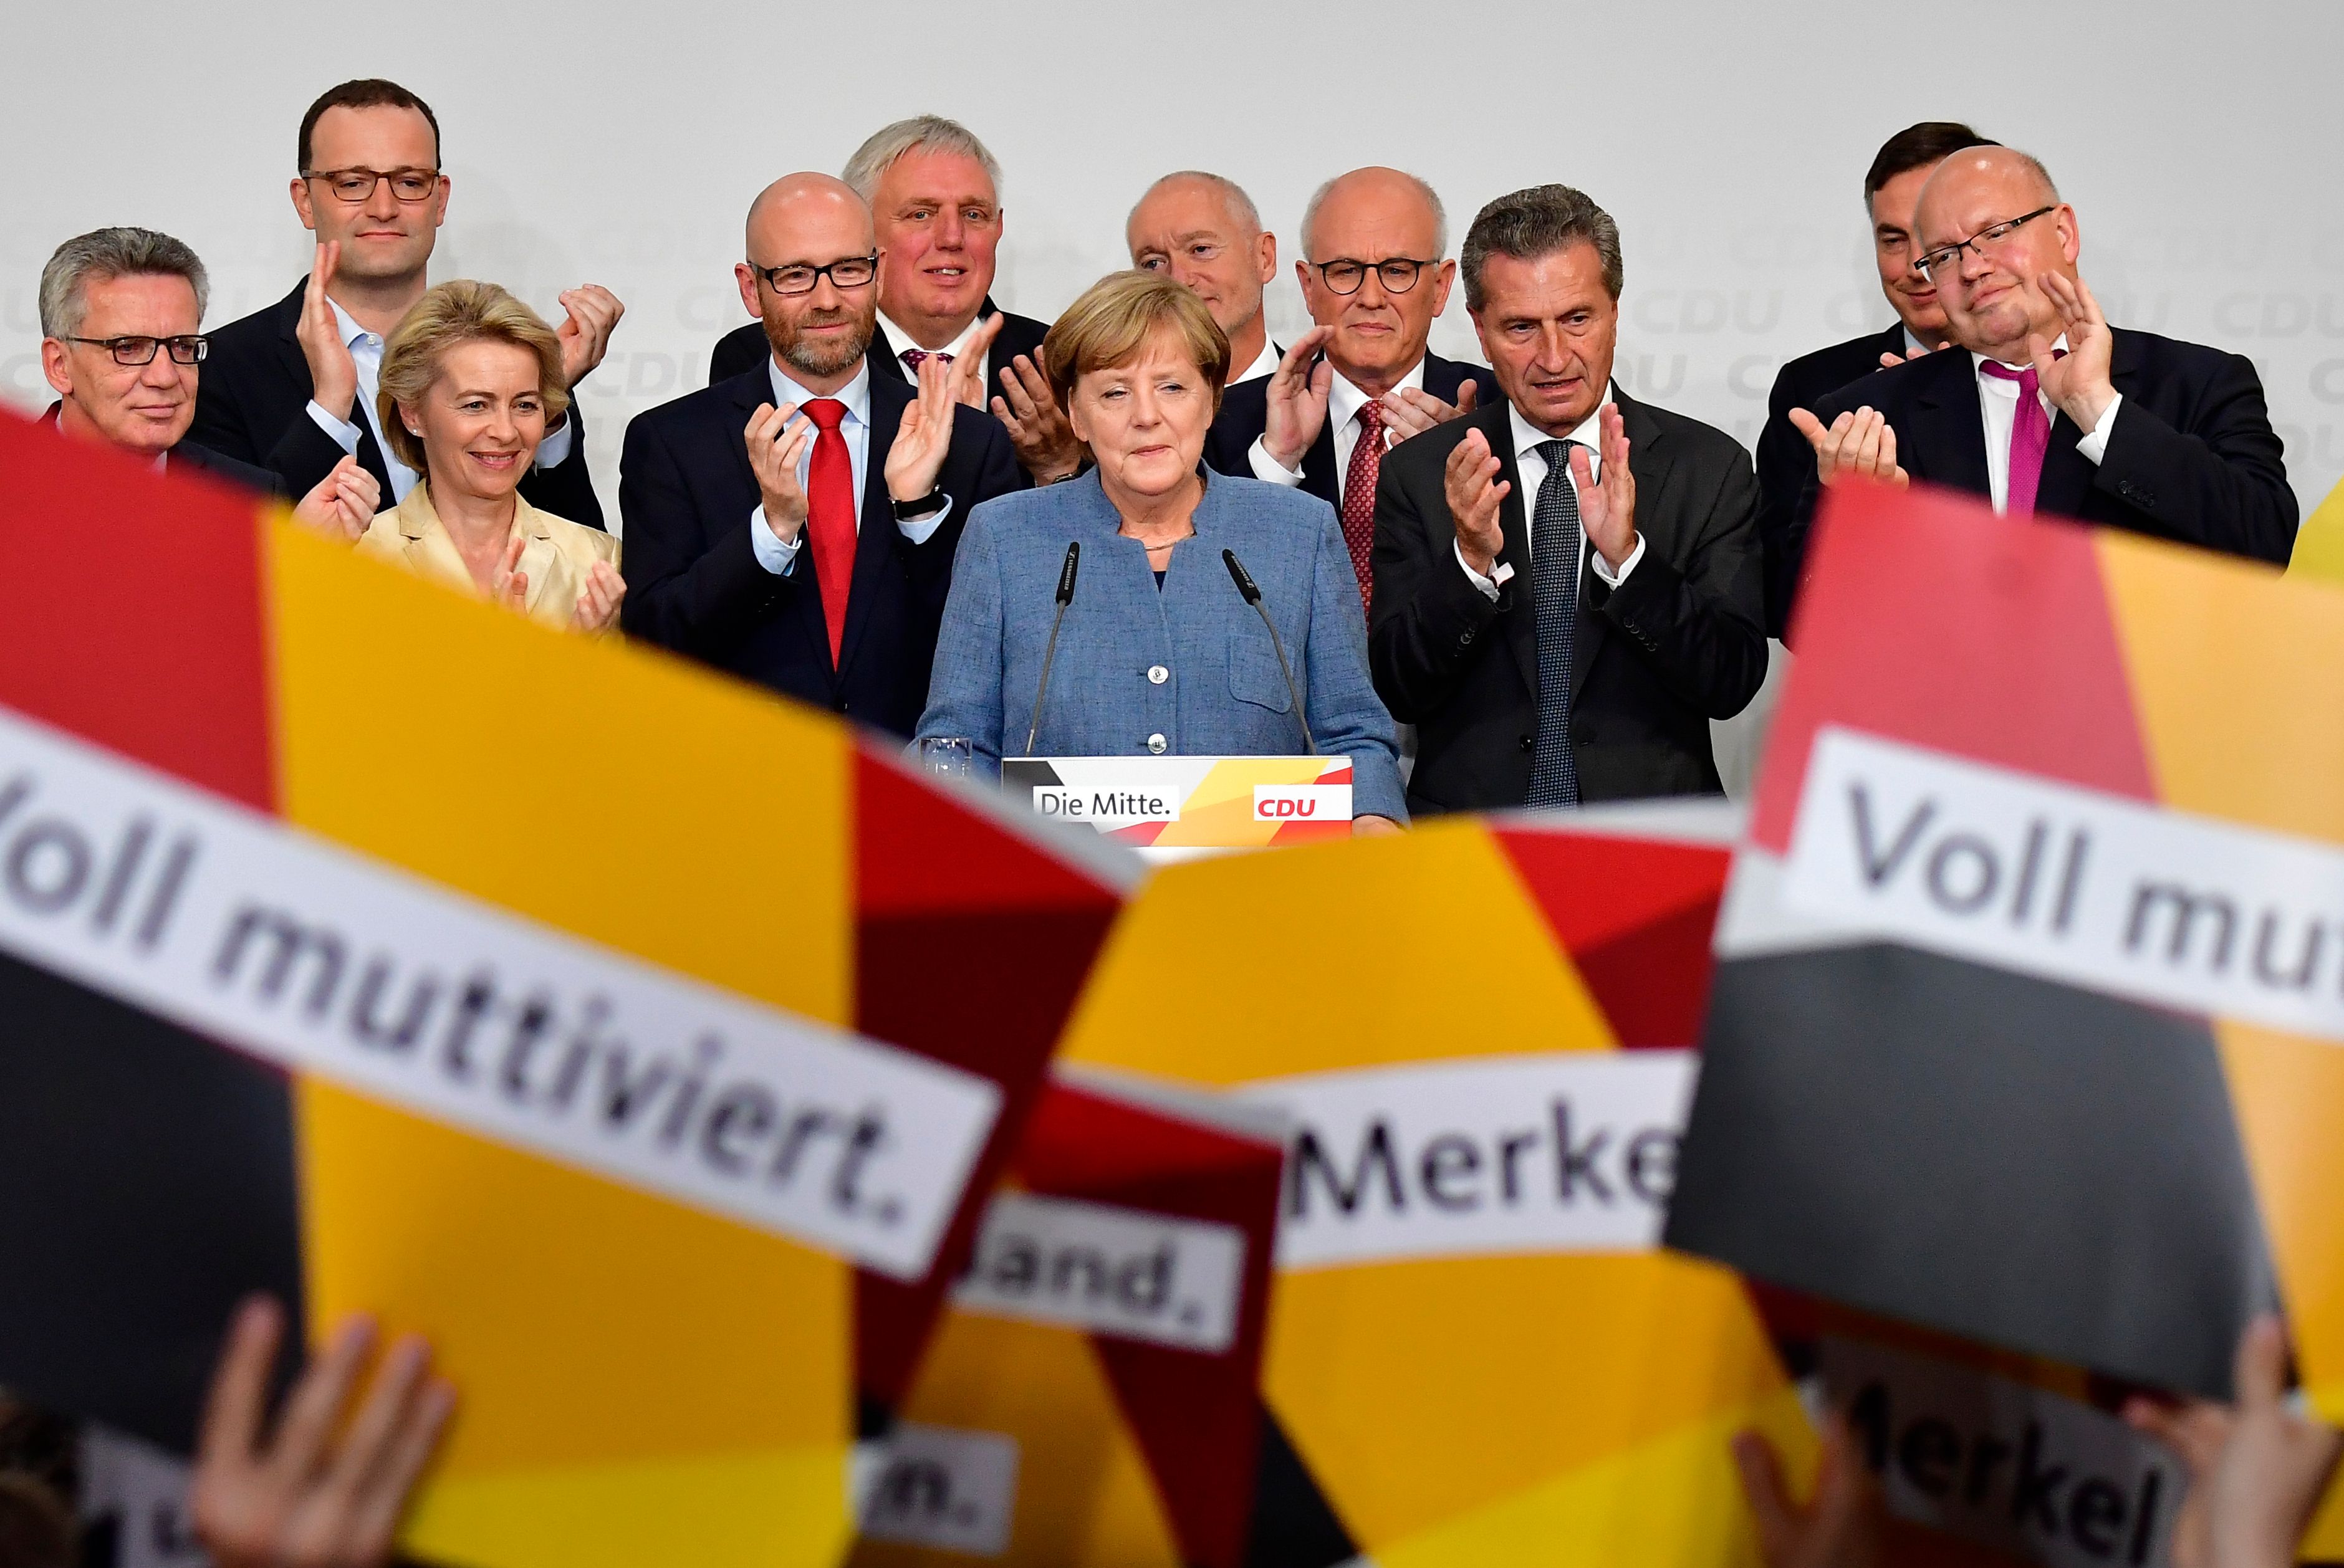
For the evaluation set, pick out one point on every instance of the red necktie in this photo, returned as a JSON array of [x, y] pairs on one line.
[[2030, 437], [1359, 494], [830, 515]]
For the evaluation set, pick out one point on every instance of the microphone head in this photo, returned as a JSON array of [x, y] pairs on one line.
[[1067, 572], [1239, 575]]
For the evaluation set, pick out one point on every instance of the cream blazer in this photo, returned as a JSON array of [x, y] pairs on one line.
[[556, 559]]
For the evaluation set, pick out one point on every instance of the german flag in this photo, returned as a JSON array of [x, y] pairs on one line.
[[647, 1043], [2031, 978]]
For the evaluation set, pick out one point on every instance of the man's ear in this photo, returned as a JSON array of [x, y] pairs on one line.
[[2071, 235], [56, 368], [302, 206], [1266, 257]]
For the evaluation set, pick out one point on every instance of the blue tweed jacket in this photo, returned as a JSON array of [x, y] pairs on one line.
[[1186, 669]]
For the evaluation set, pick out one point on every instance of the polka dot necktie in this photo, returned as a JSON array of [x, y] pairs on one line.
[[1359, 494], [1554, 601]]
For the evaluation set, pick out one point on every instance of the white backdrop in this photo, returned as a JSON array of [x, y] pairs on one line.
[[620, 143]]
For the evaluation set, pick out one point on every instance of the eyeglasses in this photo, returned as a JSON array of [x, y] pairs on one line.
[[186, 350], [1396, 273], [1948, 257], [798, 277], [357, 185]]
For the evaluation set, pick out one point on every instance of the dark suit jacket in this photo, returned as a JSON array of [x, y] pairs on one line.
[[2192, 456], [694, 584], [1683, 641], [1245, 415], [1787, 462], [252, 405], [744, 348]]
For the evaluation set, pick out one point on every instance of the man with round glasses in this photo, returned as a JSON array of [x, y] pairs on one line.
[[1375, 274], [121, 344], [292, 388], [2045, 408], [794, 524]]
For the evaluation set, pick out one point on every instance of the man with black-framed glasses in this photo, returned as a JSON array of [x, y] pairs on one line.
[[795, 523], [121, 344], [2043, 407], [1375, 275], [292, 388]]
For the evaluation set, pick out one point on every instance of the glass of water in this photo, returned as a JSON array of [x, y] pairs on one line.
[[945, 756]]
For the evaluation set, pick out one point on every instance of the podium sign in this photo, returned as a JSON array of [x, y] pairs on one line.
[[1181, 803]]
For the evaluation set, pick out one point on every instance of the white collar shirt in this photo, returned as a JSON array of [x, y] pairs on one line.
[[899, 340], [1263, 362], [854, 428]]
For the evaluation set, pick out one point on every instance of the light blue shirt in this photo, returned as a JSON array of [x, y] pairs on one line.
[[855, 429], [366, 354]]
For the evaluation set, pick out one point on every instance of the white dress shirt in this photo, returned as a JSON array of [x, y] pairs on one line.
[[1535, 476], [1998, 407], [898, 339], [778, 557], [1344, 402], [366, 355], [1264, 362]]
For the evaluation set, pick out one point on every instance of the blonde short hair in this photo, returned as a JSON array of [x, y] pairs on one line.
[[459, 311], [1110, 325]]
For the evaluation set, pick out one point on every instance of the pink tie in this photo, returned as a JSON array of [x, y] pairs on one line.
[[2030, 437]]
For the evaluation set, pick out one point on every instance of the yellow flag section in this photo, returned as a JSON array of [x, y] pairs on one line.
[[1529, 1387], [2319, 543], [2250, 729], [644, 1385]]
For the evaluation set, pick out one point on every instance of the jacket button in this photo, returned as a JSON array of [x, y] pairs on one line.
[[1528, 743], [1156, 744], [1158, 675], [1465, 637]]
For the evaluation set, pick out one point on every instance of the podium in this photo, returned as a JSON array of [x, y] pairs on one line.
[[1170, 808]]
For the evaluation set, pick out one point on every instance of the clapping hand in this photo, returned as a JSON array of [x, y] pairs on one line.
[[968, 388], [333, 374], [2077, 382], [776, 439], [1861, 445], [599, 600], [1890, 360], [1410, 412], [342, 502], [1047, 447], [508, 585], [319, 1489], [1297, 400], [1608, 510], [917, 456], [585, 332], [1474, 492]]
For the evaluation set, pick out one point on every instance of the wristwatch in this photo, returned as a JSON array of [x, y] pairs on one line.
[[926, 505]]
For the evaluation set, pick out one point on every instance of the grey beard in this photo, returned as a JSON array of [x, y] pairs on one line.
[[813, 360]]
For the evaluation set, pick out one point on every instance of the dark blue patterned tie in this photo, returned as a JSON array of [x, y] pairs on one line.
[[1554, 597]]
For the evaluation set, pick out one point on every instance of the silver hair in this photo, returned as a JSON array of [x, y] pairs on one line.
[[888, 143], [1240, 204], [104, 254], [1536, 222], [1432, 200]]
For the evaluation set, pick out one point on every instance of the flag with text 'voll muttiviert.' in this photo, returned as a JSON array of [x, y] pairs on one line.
[[1092, 1394], [2030, 992], [1481, 1032], [643, 1041]]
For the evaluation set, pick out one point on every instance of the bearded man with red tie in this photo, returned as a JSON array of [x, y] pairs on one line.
[[2041, 405], [795, 524]]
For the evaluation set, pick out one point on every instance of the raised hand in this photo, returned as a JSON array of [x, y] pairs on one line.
[[1297, 400], [776, 439], [1861, 445], [968, 388], [1607, 510], [342, 502], [597, 602], [1410, 412], [1047, 447], [1474, 491], [917, 456], [585, 332], [319, 1489], [508, 585], [332, 373], [2076, 384]]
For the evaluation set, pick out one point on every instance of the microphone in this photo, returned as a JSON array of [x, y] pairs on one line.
[[1066, 597], [1252, 595]]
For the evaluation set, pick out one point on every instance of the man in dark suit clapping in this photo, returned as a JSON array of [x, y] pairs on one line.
[[1566, 581], [2042, 406], [795, 524]]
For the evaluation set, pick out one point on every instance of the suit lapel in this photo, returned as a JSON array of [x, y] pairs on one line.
[[1948, 432], [1319, 477], [1650, 466], [296, 366], [874, 537], [1520, 622]]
